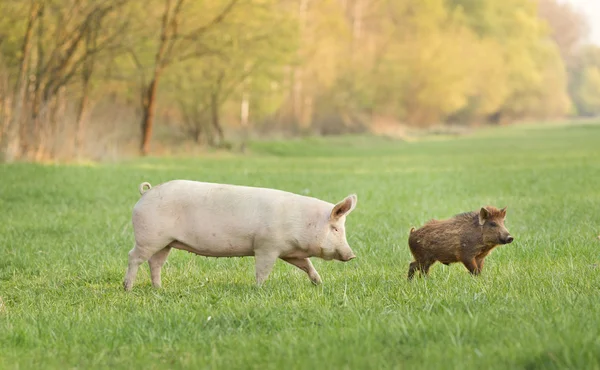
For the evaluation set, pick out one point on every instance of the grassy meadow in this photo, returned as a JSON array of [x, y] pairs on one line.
[[65, 232]]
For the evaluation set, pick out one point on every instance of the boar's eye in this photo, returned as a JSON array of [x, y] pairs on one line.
[[493, 224]]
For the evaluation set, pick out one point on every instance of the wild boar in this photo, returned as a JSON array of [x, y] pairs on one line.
[[222, 220], [467, 237]]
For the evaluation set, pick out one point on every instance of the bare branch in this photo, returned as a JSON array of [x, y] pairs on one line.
[[237, 82], [60, 66], [69, 66], [54, 85], [173, 25], [201, 51], [218, 19]]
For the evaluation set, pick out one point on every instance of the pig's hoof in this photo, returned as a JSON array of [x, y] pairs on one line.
[[316, 280], [127, 285]]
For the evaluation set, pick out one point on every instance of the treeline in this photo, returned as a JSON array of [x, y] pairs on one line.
[[79, 75]]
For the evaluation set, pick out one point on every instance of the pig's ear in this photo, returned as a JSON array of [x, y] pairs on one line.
[[484, 214], [503, 212], [344, 207]]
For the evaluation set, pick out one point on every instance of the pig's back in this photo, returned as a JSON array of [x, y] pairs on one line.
[[223, 198], [240, 212]]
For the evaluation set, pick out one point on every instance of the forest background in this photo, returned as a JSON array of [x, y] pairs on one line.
[[107, 79]]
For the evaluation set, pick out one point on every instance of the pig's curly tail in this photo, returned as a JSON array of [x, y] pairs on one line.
[[142, 186]]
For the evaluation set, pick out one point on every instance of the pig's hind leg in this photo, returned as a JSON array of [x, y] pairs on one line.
[[156, 262], [307, 266], [138, 255]]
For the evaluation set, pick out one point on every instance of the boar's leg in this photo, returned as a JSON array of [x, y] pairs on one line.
[[479, 261], [264, 261], [156, 262], [411, 270], [471, 265], [423, 267], [307, 266]]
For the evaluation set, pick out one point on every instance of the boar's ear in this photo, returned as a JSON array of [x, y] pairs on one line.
[[503, 212], [344, 207], [484, 214]]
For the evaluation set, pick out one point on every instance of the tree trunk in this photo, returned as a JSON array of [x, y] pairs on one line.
[[40, 130], [298, 75], [159, 63], [244, 110], [148, 115], [198, 125], [79, 129], [215, 119], [88, 68], [357, 20], [5, 106], [197, 135], [12, 138], [297, 95], [58, 123], [31, 132], [244, 115]]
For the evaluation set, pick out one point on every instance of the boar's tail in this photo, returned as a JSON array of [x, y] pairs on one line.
[[142, 186]]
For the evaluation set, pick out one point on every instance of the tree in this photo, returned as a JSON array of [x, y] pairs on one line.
[[52, 54], [245, 67], [11, 139], [527, 60], [588, 92], [178, 41], [568, 27], [325, 66]]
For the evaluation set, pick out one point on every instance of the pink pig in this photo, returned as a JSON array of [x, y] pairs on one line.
[[220, 220]]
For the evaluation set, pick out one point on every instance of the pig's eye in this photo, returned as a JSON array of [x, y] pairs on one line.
[[493, 224], [335, 229]]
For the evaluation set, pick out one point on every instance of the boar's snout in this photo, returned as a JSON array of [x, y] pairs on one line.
[[509, 239]]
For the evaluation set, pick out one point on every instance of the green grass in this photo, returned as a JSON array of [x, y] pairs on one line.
[[65, 232]]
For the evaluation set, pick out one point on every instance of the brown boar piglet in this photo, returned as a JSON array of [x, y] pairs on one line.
[[467, 237]]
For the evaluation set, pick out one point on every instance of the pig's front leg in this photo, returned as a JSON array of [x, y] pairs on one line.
[[307, 266], [264, 262]]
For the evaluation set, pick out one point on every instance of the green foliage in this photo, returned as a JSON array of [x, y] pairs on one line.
[[584, 81], [65, 232], [588, 93], [249, 60], [11, 31]]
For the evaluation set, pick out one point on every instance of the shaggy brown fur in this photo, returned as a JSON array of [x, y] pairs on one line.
[[467, 237]]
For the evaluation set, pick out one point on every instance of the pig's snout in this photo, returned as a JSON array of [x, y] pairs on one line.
[[346, 257], [509, 239], [350, 257]]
